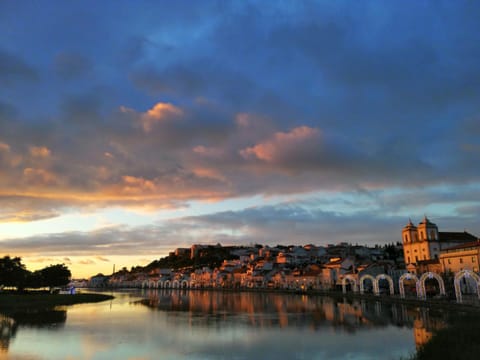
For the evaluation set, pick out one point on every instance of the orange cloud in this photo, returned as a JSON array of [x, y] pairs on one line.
[[202, 172], [39, 176], [40, 151], [134, 185], [211, 152], [281, 143], [160, 112], [4, 147]]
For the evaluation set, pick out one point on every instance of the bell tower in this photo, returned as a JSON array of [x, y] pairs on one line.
[[409, 238], [427, 230]]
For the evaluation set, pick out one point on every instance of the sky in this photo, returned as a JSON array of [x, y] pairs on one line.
[[128, 129]]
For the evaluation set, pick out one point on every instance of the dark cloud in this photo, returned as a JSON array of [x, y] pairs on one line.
[[71, 65], [14, 70], [226, 100]]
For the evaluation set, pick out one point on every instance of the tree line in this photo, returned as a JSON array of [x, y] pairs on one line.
[[14, 274]]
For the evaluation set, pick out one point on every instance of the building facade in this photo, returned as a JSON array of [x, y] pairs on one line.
[[424, 243], [461, 257]]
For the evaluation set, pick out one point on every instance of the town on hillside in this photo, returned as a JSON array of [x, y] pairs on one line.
[[423, 249]]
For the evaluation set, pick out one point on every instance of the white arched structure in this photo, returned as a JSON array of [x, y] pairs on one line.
[[431, 275], [390, 283], [401, 285], [184, 284], [175, 284], [167, 284], [465, 274], [351, 279], [362, 283]]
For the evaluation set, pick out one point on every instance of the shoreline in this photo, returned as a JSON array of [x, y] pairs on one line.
[[11, 302]]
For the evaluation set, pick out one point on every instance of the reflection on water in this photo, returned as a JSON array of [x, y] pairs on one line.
[[9, 324], [180, 324], [292, 310]]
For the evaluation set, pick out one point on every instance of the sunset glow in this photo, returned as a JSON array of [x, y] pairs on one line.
[[127, 131]]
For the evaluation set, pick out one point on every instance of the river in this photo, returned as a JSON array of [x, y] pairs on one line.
[[180, 324]]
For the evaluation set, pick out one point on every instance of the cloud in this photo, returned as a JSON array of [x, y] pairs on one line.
[[70, 65], [40, 151], [101, 258], [258, 101], [160, 112], [14, 70], [294, 145]]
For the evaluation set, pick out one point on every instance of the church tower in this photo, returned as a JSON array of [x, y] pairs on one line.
[[409, 236], [427, 231]]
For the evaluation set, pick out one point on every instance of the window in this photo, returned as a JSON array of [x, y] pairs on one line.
[[460, 260], [406, 238], [449, 261], [473, 259], [408, 251], [408, 259], [415, 250], [416, 258]]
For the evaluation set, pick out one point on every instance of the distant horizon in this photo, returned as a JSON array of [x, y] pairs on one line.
[[126, 131]]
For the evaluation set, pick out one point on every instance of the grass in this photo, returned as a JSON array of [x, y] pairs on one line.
[[35, 301]]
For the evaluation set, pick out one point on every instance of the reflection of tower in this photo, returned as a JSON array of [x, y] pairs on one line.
[[8, 328], [424, 326]]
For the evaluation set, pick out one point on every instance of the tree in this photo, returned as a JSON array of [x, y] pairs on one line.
[[13, 272], [55, 275]]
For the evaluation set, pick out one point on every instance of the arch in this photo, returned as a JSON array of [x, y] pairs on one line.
[[167, 284], [390, 283], [351, 279], [362, 283], [430, 275], [465, 274], [401, 286], [159, 284], [145, 284], [184, 284], [175, 284]]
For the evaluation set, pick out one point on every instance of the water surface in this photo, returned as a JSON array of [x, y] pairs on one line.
[[176, 324]]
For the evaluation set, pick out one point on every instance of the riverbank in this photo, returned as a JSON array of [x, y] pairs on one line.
[[37, 301]]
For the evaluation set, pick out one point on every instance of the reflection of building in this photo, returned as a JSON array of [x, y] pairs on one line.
[[264, 310], [423, 244], [424, 327]]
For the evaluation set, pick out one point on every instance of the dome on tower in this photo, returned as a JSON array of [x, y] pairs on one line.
[[410, 226], [427, 222]]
